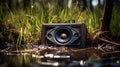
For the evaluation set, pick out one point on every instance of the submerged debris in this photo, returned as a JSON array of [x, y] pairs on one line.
[[61, 56], [42, 51]]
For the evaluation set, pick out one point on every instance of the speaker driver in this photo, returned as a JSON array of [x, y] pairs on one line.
[[63, 35]]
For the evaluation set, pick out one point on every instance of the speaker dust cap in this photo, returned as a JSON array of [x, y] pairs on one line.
[[63, 35]]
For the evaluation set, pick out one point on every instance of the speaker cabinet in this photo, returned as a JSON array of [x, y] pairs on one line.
[[64, 34]]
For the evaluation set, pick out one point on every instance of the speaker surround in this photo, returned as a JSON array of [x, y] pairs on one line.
[[64, 34]]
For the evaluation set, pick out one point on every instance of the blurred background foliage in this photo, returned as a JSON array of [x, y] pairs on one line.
[[27, 16]]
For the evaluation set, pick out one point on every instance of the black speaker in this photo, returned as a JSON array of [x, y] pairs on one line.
[[64, 34]]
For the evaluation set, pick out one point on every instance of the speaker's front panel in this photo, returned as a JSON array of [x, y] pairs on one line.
[[63, 34]]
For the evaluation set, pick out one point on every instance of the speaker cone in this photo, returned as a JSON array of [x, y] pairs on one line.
[[63, 35]]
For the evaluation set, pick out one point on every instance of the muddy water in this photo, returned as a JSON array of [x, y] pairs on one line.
[[32, 60], [60, 57]]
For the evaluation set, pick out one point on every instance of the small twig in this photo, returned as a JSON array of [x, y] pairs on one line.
[[110, 42], [100, 47], [111, 53], [19, 51]]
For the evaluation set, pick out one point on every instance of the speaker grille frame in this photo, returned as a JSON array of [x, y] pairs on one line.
[[81, 42]]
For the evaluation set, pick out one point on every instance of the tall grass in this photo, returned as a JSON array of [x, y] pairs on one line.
[[29, 22]]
